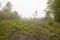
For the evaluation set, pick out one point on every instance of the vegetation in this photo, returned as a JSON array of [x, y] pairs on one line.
[[54, 8], [12, 27], [7, 14]]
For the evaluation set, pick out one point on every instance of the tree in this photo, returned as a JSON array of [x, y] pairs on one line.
[[6, 13], [35, 14], [8, 5], [15, 15], [54, 8]]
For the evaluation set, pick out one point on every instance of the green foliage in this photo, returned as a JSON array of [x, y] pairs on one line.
[[5, 28], [13, 29], [54, 8]]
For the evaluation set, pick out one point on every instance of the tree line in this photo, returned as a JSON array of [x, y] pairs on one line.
[[7, 14]]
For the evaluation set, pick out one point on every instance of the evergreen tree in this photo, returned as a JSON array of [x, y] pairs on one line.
[[54, 8]]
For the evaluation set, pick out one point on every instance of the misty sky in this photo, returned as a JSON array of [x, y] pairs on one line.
[[26, 8]]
